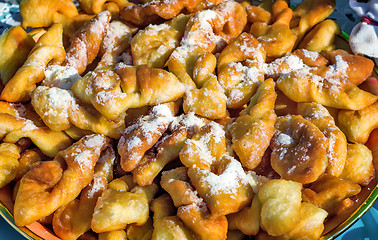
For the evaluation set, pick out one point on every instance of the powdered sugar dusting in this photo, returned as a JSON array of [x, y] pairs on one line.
[[60, 76]]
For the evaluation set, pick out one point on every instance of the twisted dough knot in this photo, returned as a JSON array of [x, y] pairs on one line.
[[51, 184], [113, 90], [252, 131], [48, 50], [15, 45], [299, 149], [277, 39], [212, 29], [86, 42], [16, 124], [152, 11], [60, 111], [9, 162], [240, 69], [337, 150]]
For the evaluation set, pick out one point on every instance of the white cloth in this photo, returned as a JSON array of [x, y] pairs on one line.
[[364, 37]]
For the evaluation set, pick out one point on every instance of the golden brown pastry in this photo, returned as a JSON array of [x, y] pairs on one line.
[[359, 165], [321, 37], [143, 134], [240, 69], [252, 131], [299, 149], [154, 44], [60, 110], [48, 50], [9, 162], [15, 45], [307, 14], [86, 42], [97, 6], [337, 149], [44, 188], [357, 125], [277, 39], [112, 90]]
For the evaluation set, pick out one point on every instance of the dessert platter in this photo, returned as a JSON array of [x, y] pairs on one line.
[[190, 119]]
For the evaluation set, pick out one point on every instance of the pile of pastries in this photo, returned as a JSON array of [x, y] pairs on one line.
[[190, 119]]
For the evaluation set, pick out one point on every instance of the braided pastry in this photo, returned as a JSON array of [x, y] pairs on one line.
[[277, 39], [15, 45], [357, 125], [241, 71], [48, 50], [299, 149], [337, 149], [112, 90], [252, 131], [44, 188], [60, 111], [86, 42]]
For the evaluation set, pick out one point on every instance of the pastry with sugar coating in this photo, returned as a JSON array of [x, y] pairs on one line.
[[252, 131], [337, 149], [357, 125], [143, 134], [86, 42], [48, 50], [299, 149], [97, 6], [9, 162], [240, 69], [44, 188]]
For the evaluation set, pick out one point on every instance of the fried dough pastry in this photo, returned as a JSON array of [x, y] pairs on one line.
[[202, 223], [240, 69], [330, 92], [86, 42], [97, 6], [27, 159], [321, 37], [143, 134], [277, 39], [225, 191], [60, 110], [205, 148], [9, 162], [355, 68], [252, 131], [329, 191], [135, 232], [359, 165], [15, 45], [48, 50], [113, 235], [280, 206], [299, 149], [44, 188], [117, 208], [113, 90], [167, 149], [154, 44], [152, 11], [197, 100], [74, 219], [212, 29], [115, 42], [258, 14], [13, 128], [357, 125], [44, 13], [337, 149], [307, 14], [177, 183]]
